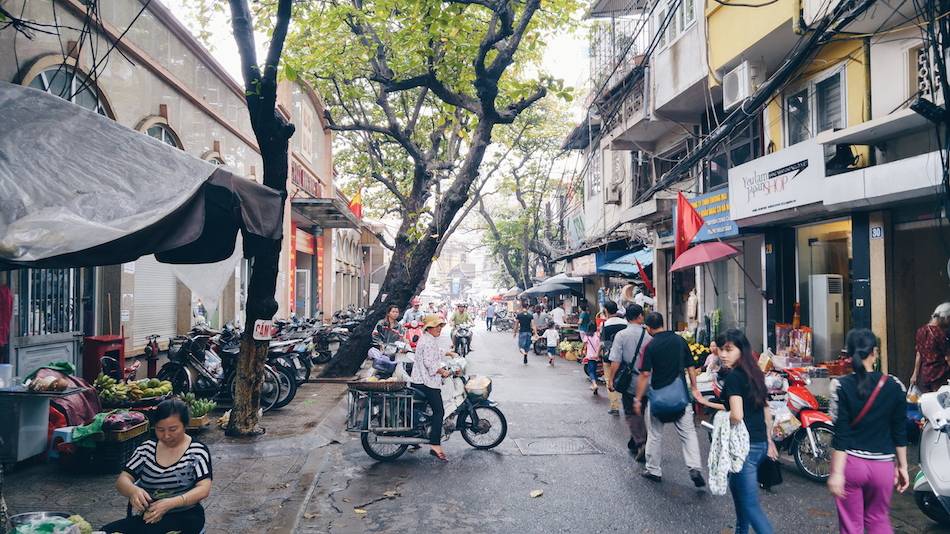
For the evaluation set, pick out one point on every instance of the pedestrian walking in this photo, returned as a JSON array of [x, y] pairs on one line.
[[585, 324], [932, 364], [744, 396], [869, 409], [489, 315], [627, 351], [665, 362], [525, 331], [612, 325], [592, 358], [551, 338]]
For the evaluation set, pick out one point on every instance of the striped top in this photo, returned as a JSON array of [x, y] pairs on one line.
[[164, 482]]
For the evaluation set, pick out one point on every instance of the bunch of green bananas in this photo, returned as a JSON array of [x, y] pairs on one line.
[[103, 382]]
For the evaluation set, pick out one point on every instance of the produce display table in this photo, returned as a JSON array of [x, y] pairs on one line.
[[26, 422]]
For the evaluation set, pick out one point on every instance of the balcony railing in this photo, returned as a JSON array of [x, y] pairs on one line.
[[616, 46]]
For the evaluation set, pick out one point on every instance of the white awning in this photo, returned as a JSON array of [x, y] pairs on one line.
[[877, 130]]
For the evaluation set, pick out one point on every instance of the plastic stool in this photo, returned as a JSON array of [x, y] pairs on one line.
[[60, 435]]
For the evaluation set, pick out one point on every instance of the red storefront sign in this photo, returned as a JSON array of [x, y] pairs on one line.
[[300, 177]]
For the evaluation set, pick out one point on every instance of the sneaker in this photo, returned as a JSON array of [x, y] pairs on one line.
[[526, 358], [613, 412], [650, 476], [697, 478]]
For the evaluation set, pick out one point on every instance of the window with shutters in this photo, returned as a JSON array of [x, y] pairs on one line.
[[816, 107]]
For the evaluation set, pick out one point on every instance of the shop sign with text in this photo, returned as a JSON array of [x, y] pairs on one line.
[[300, 177], [785, 179], [714, 209]]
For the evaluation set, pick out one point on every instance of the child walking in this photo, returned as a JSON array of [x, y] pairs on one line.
[[592, 358], [552, 336]]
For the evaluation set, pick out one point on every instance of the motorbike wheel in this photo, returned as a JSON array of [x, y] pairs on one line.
[[814, 468], [321, 357], [177, 375], [489, 431], [462, 348], [287, 381], [931, 507], [381, 452], [539, 349], [303, 368]]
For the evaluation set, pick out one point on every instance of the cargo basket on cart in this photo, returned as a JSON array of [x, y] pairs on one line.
[[379, 409]]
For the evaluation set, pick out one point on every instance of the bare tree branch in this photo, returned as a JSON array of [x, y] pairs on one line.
[[243, 31], [277, 40]]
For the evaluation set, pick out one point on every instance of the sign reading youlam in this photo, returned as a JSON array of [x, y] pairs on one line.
[[785, 179]]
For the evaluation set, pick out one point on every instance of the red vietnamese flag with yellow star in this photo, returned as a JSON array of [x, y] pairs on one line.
[[356, 204], [688, 223]]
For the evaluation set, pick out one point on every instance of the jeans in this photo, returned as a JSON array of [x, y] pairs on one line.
[[524, 341], [434, 400], [744, 487], [591, 368], [868, 486], [687, 434], [488, 322]]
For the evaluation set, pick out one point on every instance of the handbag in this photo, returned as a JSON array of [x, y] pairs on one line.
[[670, 401], [769, 473], [625, 374]]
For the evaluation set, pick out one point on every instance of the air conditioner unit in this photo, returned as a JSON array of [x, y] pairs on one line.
[[826, 312], [614, 194], [739, 84]]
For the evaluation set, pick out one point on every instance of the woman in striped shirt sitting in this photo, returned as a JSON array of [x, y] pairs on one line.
[[166, 479]]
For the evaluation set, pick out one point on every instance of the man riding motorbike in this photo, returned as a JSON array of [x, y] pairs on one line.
[[460, 317], [413, 313]]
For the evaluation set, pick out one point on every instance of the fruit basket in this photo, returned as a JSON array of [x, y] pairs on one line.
[[132, 394]]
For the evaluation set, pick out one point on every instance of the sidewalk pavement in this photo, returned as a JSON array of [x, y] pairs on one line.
[[260, 484]]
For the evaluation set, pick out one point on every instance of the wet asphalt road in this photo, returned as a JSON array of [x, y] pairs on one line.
[[488, 491]]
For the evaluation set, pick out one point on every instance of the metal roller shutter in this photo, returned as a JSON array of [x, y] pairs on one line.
[[156, 301]]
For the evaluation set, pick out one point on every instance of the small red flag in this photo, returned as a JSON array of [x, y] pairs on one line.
[[645, 278], [688, 223]]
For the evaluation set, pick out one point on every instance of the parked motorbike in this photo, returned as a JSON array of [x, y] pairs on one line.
[[390, 422], [462, 336], [503, 322], [540, 345], [932, 482], [194, 367], [110, 367], [809, 441]]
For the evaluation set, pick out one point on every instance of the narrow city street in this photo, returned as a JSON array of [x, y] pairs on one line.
[[561, 441]]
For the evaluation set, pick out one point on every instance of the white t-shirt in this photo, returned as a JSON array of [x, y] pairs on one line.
[[558, 316], [552, 336], [641, 300]]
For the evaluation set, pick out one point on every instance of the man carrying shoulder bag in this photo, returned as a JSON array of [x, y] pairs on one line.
[[665, 363], [626, 355]]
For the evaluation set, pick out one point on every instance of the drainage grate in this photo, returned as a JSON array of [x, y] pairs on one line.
[[556, 446]]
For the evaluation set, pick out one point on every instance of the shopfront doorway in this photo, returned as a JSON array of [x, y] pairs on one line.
[[824, 262]]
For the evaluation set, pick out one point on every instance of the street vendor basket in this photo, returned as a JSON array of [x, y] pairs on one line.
[[379, 410]]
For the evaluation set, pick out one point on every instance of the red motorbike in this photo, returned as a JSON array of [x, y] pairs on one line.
[[810, 444], [413, 333], [808, 433]]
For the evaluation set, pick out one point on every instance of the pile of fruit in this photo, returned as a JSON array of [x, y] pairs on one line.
[[198, 407], [111, 391]]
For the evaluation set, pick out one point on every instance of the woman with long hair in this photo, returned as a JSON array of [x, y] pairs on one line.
[[869, 410], [745, 398]]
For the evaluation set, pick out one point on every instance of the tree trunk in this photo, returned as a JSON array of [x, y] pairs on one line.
[[273, 138], [410, 262]]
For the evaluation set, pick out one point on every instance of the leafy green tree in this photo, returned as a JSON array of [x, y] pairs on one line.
[[519, 232], [416, 89]]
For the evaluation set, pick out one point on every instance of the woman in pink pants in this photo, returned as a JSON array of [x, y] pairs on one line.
[[870, 436]]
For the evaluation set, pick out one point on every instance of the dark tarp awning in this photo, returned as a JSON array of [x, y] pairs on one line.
[[322, 212], [80, 190]]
